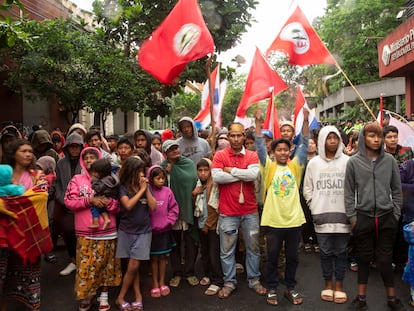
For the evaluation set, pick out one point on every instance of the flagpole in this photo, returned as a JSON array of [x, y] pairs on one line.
[[355, 90], [211, 95]]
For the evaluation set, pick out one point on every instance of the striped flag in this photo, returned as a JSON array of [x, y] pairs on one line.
[[298, 119], [271, 121], [203, 117]]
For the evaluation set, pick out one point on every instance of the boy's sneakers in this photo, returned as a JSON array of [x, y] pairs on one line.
[[358, 305], [68, 270]]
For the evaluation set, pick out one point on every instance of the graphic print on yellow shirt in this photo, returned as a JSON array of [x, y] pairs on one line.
[[282, 207]]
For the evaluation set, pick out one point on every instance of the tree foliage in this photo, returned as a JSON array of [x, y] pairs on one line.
[[10, 31], [350, 30], [127, 23], [98, 70], [75, 67]]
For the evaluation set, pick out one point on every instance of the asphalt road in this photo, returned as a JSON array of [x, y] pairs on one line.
[[57, 291]]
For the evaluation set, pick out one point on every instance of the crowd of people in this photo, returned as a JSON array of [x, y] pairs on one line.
[[116, 201]]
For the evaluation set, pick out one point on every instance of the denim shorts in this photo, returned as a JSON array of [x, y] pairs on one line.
[[135, 246]]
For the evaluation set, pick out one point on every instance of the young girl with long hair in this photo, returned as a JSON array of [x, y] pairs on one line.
[[162, 220], [134, 235]]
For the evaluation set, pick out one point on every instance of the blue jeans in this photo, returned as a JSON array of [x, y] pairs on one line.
[[228, 230], [274, 242], [334, 256]]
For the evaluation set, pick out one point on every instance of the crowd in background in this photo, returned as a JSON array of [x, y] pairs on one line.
[[226, 198]]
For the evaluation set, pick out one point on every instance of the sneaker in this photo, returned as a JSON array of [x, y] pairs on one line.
[[358, 305], [68, 270], [395, 305]]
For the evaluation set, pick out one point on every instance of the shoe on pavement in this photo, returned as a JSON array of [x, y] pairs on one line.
[[358, 305], [68, 270], [395, 305]]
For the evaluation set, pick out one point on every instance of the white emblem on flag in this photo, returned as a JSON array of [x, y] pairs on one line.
[[186, 38], [295, 33]]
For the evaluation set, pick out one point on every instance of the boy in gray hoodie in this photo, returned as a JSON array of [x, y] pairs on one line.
[[373, 200]]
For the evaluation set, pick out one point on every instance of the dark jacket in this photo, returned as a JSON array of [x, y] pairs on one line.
[[66, 167], [407, 184], [372, 188]]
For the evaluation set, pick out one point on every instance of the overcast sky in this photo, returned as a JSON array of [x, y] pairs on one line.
[[270, 16]]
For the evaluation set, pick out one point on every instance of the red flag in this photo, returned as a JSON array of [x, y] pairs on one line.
[[181, 38], [300, 42], [260, 81], [271, 121]]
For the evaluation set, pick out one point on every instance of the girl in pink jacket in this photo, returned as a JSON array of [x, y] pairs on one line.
[[95, 247]]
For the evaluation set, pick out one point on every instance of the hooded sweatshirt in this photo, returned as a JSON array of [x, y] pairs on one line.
[[42, 137], [156, 156], [166, 213], [76, 126], [194, 148], [66, 167], [323, 187], [372, 188], [62, 138], [77, 199]]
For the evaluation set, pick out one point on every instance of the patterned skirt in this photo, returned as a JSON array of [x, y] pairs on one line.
[[96, 266], [20, 281]]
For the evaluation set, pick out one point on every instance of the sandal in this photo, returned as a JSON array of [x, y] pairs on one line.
[[271, 298], [226, 291], [85, 305], [353, 266], [212, 290], [205, 281], [155, 292], [192, 280], [258, 287], [124, 306], [239, 268], [308, 248], [137, 306], [51, 258], [175, 281], [294, 297], [165, 290], [340, 297], [327, 295]]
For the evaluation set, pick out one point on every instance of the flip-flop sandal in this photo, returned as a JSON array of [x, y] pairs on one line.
[[225, 292], [192, 280], [85, 305], [175, 281], [165, 290], [340, 297], [294, 297], [327, 295], [205, 281], [124, 306], [258, 288], [308, 248], [271, 298], [156, 292], [137, 306], [212, 290]]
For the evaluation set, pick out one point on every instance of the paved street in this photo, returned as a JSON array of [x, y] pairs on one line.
[[57, 292]]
